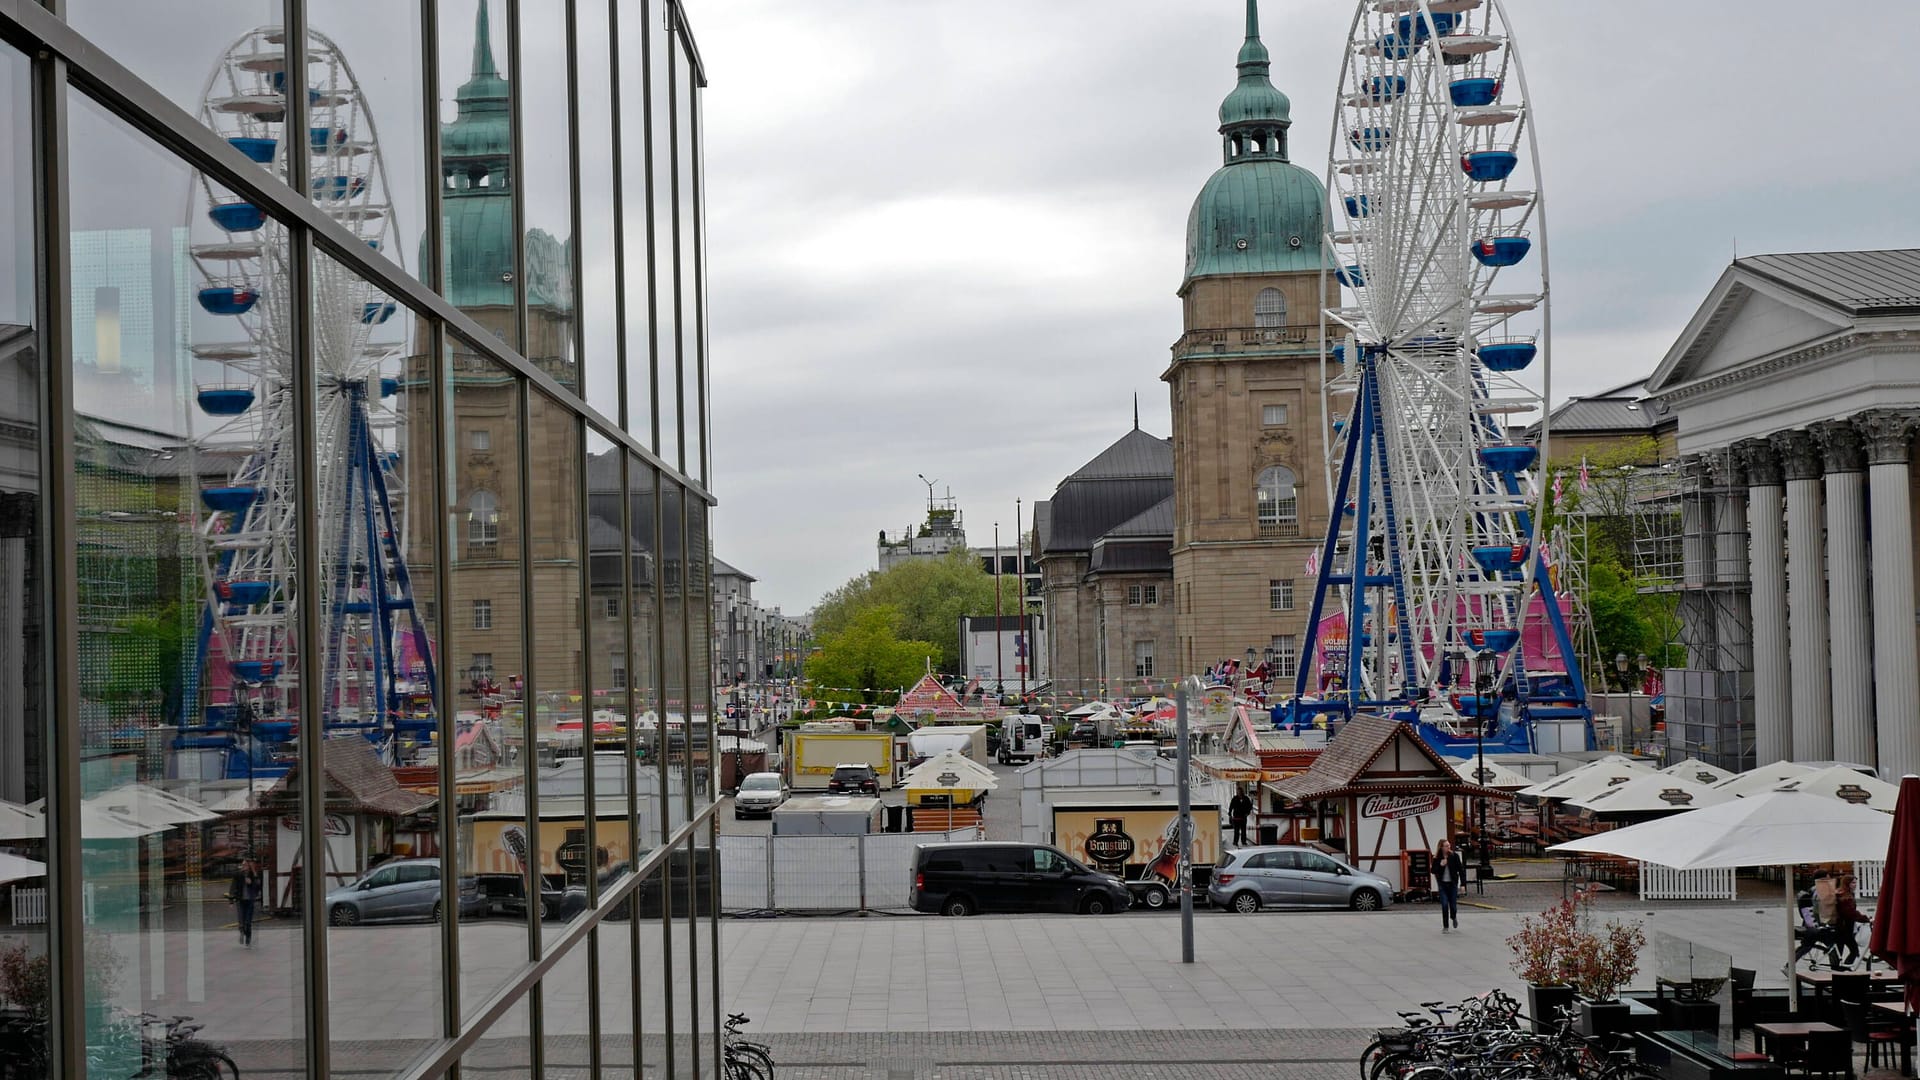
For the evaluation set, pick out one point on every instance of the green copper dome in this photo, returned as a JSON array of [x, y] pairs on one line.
[[1259, 213]]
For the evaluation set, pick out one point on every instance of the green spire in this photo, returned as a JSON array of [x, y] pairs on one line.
[[1255, 116], [483, 42], [1253, 54]]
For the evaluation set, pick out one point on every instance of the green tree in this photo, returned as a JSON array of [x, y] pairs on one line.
[[927, 598], [867, 655]]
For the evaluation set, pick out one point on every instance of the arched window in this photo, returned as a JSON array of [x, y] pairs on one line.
[[1270, 308], [483, 518], [1279, 510]]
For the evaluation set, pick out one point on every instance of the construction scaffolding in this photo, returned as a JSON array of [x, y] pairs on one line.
[[1689, 530]]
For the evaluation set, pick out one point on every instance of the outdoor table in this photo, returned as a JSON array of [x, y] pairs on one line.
[[1768, 1038], [1701, 1055], [1899, 1009]]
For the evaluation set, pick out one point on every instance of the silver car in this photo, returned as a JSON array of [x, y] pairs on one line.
[[1249, 879], [401, 889], [760, 794]]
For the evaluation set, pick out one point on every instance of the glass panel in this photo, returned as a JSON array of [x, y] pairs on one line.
[[608, 661], [374, 427], [23, 958], [674, 638], [683, 879], [686, 159], [505, 1052], [367, 130], [700, 676], [656, 973], [648, 213], [226, 72], [558, 710], [669, 137], [565, 1018], [643, 667], [184, 514], [602, 330], [704, 923], [485, 657], [547, 189], [476, 210], [619, 1004]]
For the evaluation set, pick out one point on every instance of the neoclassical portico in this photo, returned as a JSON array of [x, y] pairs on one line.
[[1796, 388]]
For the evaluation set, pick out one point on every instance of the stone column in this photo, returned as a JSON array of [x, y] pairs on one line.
[[1806, 597], [1896, 682], [1732, 617], [1766, 561], [1850, 609], [1696, 564]]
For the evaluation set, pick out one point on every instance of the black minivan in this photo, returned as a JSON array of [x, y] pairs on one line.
[[961, 879]]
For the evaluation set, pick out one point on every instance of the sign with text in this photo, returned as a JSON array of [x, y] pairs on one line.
[[1398, 807]]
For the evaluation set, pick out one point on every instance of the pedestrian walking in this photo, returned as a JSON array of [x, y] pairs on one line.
[[1847, 919], [1449, 870], [244, 893], [1238, 809]]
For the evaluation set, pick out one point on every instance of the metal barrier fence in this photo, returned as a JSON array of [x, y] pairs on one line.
[[1665, 883], [823, 873]]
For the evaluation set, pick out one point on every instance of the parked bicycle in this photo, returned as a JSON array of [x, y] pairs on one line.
[[744, 1059], [1485, 1042]]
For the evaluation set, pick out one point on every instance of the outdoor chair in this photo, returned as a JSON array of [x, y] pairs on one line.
[[1752, 1006], [1880, 1039]]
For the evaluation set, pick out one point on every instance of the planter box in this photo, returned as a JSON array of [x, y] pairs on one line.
[[1544, 1004], [1605, 1019]]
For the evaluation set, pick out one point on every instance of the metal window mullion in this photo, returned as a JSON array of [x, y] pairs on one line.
[[653, 276], [588, 747], [516, 179], [664, 756], [529, 712], [619, 230], [58, 457], [577, 265], [687, 729], [679, 310], [433, 245], [698, 164], [441, 381], [312, 766], [713, 921], [629, 775]]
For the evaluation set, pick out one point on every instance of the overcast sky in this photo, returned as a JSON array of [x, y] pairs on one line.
[[945, 236]]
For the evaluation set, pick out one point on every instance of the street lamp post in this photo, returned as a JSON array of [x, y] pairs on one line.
[[1482, 685]]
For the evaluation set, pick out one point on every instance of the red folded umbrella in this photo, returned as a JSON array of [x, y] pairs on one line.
[[1896, 919]]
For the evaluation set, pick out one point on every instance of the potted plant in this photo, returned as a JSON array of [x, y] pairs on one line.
[[1541, 949], [1601, 963]]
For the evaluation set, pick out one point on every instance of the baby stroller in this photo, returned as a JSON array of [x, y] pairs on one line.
[[1835, 941]]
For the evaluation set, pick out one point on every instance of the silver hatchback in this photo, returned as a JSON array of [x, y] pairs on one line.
[[1249, 879]]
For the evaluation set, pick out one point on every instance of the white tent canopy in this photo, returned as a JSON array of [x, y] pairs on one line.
[[1652, 793], [1090, 708], [96, 823], [1772, 829], [949, 770], [1764, 778], [19, 823], [1495, 775], [1698, 771], [1589, 779], [15, 868], [150, 805], [1847, 785]]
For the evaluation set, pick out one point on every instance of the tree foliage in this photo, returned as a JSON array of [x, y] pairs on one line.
[[866, 654], [927, 597]]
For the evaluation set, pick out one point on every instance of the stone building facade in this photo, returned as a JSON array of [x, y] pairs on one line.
[[1795, 391], [1249, 434]]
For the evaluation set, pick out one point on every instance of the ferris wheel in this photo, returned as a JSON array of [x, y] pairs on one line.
[[377, 667], [1437, 354]]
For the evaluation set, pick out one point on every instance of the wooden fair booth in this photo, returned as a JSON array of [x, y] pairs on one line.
[[1377, 791]]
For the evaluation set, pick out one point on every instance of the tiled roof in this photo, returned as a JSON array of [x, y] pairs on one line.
[[1156, 521], [1133, 456], [1340, 767], [1859, 282]]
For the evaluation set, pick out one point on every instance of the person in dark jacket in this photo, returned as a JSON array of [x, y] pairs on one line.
[[1847, 917], [1449, 870], [1238, 809], [244, 894]]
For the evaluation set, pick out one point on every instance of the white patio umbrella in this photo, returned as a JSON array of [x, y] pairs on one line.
[[1493, 775], [19, 823], [1090, 708], [1847, 785], [1764, 778], [15, 868], [1589, 779], [1777, 828], [1654, 793], [950, 770], [96, 823], [150, 805], [1698, 771]]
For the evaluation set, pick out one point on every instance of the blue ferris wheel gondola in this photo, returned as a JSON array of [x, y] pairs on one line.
[[224, 400], [375, 312], [1489, 166], [1507, 356], [1358, 206], [1351, 276], [1509, 459], [244, 593], [233, 499], [237, 216], [1501, 250], [1467, 93], [228, 299], [258, 150]]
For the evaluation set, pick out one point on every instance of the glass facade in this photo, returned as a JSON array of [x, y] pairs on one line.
[[354, 559]]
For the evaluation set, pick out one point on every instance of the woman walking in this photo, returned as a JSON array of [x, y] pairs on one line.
[[1449, 869], [244, 894]]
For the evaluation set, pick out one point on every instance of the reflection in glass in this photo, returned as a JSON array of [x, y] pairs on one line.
[[485, 661], [608, 663], [383, 868], [705, 887], [668, 143], [476, 155], [176, 46], [615, 987], [679, 732], [23, 953], [547, 189], [643, 667], [505, 1051], [565, 1032], [700, 719], [600, 327], [558, 728], [368, 128], [190, 681], [686, 176]]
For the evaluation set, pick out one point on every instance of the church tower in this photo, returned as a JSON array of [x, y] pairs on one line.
[[1248, 435]]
